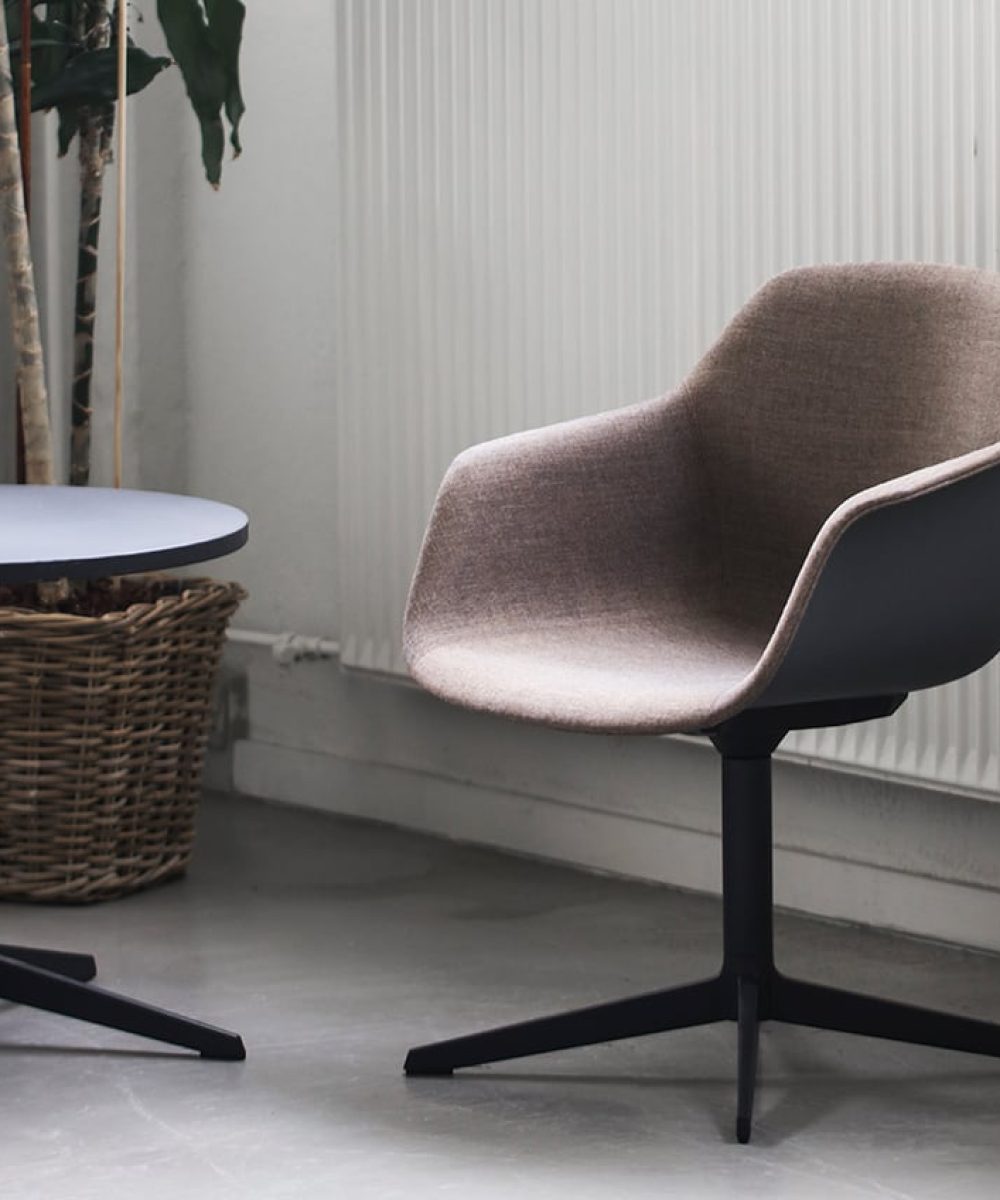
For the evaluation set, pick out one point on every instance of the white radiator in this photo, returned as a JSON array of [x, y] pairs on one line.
[[550, 207]]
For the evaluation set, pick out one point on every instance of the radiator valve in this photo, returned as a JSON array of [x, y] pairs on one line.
[[290, 648]]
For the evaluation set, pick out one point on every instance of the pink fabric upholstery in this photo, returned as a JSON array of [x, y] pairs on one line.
[[645, 570]]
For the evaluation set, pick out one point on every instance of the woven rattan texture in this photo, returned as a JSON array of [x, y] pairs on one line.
[[103, 727]]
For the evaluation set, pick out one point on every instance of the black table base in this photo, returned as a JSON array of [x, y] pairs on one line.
[[59, 982], [88, 533]]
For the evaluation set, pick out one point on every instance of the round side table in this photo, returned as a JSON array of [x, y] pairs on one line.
[[85, 533]]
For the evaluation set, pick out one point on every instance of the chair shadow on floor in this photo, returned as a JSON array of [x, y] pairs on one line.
[[8, 1049]]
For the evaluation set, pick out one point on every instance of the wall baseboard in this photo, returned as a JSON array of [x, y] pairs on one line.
[[847, 848]]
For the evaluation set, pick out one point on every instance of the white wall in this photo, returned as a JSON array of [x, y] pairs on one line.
[[551, 207], [230, 335], [249, 382], [260, 334]]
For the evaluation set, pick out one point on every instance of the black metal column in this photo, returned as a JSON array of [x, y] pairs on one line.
[[747, 908], [747, 879]]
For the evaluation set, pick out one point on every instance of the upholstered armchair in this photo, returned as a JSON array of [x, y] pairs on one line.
[[800, 535]]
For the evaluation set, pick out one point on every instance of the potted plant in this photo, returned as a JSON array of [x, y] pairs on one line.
[[106, 687]]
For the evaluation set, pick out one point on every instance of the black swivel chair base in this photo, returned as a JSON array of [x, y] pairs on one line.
[[749, 989], [59, 982]]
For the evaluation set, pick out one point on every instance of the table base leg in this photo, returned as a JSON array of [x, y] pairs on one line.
[[74, 966], [57, 982]]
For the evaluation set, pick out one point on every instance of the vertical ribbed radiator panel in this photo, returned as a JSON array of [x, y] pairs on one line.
[[549, 207]]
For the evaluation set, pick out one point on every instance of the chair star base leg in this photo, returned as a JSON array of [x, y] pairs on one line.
[[675, 1008], [749, 989], [748, 1025], [726, 997], [74, 966], [57, 983], [798, 1003]]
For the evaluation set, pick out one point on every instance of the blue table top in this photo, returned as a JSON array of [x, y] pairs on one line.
[[88, 532]]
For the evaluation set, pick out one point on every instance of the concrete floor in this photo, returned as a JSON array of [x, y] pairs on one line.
[[332, 946]]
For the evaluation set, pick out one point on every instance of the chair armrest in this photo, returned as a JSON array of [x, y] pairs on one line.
[[900, 589], [560, 522]]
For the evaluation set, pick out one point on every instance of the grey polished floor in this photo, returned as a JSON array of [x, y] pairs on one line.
[[333, 945]]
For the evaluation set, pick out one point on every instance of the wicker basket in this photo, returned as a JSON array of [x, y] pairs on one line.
[[103, 727]]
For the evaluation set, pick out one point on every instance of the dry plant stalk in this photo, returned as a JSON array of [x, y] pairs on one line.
[[38, 466], [25, 330], [120, 248]]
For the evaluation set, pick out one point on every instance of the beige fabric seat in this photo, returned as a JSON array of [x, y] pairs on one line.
[[800, 535], [647, 570], [677, 668]]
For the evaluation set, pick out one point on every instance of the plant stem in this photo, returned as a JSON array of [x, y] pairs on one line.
[[25, 83], [21, 283], [25, 100], [120, 252], [96, 130]]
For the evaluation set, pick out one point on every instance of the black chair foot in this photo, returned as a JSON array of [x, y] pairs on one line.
[[74, 966], [748, 1000], [748, 1026], [25, 983], [655, 1012], [800, 1003]]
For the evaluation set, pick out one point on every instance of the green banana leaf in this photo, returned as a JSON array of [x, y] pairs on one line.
[[51, 43], [92, 78], [204, 38]]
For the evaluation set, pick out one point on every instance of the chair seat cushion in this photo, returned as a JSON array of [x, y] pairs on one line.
[[595, 674]]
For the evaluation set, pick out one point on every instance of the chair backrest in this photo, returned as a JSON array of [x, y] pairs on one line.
[[829, 380]]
